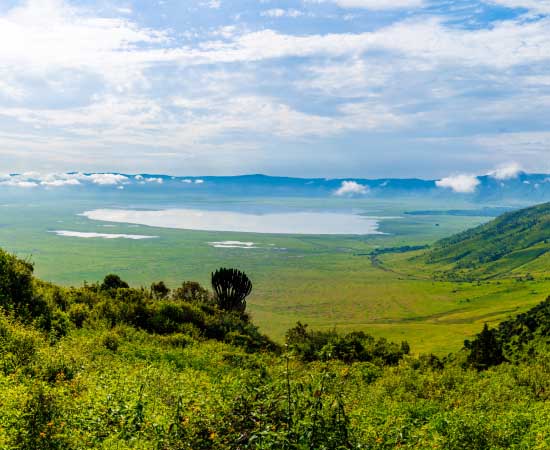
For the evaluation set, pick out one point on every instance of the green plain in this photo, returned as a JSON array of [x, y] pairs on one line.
[[323, 281]]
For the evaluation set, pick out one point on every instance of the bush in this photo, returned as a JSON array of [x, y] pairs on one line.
[[79, 313], [355, 346], [192, 292], [113, 282], [110, 341], [40, 422], [159, 290], [18, 345], [16, 289]]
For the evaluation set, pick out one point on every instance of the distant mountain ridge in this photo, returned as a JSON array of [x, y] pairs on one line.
[[517, 242], [522, 188]]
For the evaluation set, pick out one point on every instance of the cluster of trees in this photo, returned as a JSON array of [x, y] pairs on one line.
[[517, 339], [357, 346], [190, 308]]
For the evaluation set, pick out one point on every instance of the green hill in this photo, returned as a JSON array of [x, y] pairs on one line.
[[515, 243]]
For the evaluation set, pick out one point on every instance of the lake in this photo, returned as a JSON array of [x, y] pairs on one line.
[[315, 223]]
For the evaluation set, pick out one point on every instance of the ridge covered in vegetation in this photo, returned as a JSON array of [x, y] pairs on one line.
[[108, 366], [514, 240]]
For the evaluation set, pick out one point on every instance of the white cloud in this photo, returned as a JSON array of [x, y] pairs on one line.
[[506, 172], [380, 5], [279, 12], [18, 183], [108, 178], [539, 6], [109, 69], [60, 183], [464, 184], [350, 188]]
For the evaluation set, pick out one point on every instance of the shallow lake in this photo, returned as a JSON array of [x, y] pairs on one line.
[[269, 223]]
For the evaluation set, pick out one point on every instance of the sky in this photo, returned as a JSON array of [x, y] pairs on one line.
[[332, 88]]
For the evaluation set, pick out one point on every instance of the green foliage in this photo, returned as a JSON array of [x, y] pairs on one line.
[[192, 292], [351, 347], [40, 423], [16, 291], [18, 345], [486, 350], [113, 281], [231, 287], [523, 337], [132, 369], [159, 290]]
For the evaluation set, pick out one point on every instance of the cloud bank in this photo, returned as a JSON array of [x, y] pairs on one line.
[[463, 184], [506, 172]]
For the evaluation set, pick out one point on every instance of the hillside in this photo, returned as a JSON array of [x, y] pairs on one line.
[[512, 244]]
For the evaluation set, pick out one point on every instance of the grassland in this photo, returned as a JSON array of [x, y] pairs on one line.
[[323, 281]]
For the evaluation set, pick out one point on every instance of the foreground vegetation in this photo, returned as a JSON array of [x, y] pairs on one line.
[[111, 367]]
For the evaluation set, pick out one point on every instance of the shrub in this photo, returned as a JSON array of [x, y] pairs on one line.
[[110, 341], [355, 346], [39, 424], [16, 290], [112, 281], [159, 290], [192, 292], [18, 345], [79, 313]]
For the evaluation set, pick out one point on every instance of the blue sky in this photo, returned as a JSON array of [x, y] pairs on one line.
[[336, 88]]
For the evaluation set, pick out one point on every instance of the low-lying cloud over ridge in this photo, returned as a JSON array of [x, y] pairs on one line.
[[351, 188], [463, 184]]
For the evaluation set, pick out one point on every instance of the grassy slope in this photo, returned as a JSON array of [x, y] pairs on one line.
[[510, 244]]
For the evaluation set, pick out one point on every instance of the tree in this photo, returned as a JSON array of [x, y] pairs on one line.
[[485, 350], [159, 290], [16, 286], [113, 281], [192, 292], [231, 287]]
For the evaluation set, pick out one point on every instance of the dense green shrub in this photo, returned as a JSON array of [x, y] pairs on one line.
[[18, 345], [159, 290], [192, 292], [113, 282], [355, 346]]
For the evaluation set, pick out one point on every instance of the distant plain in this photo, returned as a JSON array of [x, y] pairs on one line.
[[326, 281]]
